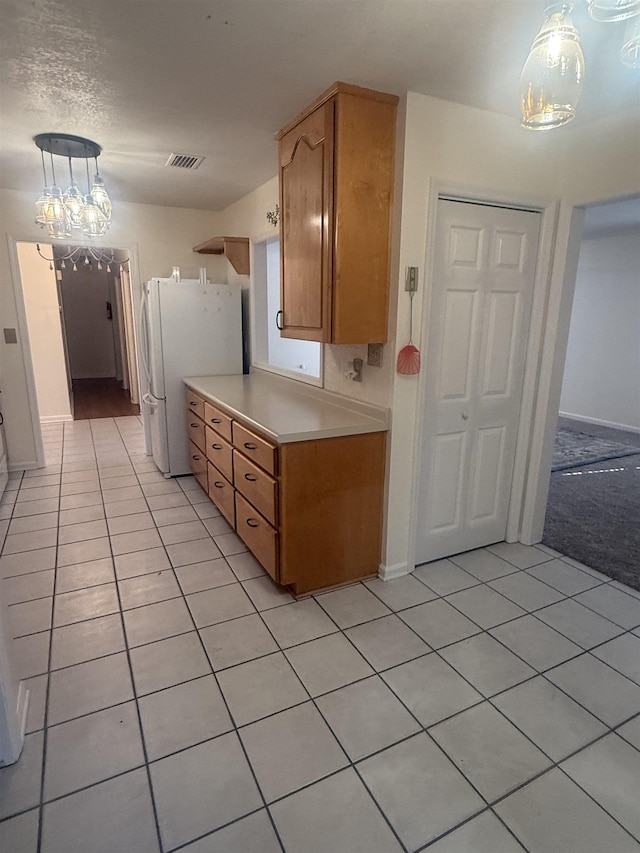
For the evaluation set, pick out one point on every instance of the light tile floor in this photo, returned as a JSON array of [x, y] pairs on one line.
[[181, 701]]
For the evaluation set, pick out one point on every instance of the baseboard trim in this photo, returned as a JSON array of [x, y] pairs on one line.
[[397, 570], [56, 419], [31, 465], [599, 422]]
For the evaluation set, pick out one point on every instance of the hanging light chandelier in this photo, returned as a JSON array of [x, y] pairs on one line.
[[88, 258], [62, 213], [552, 77]]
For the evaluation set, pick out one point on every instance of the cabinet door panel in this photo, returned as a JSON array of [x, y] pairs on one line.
[[195, 430], [306, 188], [258, 487], [217, 420], [259, 536], [222, 493], [198, 462], [220, 453]]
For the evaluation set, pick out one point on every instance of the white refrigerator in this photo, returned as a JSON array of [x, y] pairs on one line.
[[186, 329]]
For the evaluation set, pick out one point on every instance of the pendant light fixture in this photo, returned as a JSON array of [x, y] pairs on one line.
[[606, 11], [63, 213], [630, 51], [552, 76]]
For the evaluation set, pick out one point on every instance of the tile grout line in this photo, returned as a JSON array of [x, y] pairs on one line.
[[224, 699], [375, 671]]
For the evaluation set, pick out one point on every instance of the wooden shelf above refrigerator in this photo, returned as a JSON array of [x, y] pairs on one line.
[[236, 250]]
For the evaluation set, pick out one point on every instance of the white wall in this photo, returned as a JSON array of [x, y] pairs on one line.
[[602, 369], [45, 333], [160, 237]]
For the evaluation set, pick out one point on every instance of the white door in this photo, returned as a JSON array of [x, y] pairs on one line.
[[483, 277]]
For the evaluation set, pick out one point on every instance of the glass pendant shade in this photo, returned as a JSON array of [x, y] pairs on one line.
[[41, 207], [630, 51], [55, 215], [74, 203], [613, 10], [94, 222], [551, 80], [101, 196]]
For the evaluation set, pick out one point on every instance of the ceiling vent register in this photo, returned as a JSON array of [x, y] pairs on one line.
[[184, 161]]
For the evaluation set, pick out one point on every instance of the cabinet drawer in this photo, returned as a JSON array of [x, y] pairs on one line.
[[220, 453], [255, 448], [257, 487], [258, 535], [195, 430], [198, 463], [221, 493], [195, 403], [217, 420]]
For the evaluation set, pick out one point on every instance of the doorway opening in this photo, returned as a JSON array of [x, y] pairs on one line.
[[79, 314], [593, 502]]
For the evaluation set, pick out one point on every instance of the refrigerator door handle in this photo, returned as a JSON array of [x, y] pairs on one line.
[[146, 346], [144, 336]]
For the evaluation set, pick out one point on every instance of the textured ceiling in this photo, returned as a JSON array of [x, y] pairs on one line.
[[217, 78]]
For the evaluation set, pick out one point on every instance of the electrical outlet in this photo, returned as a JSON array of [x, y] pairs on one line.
[[374, 355]]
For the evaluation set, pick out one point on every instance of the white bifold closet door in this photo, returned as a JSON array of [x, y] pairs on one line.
[[478, 324]]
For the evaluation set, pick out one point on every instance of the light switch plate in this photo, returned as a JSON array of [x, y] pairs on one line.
[[411, 281], [10, 336]]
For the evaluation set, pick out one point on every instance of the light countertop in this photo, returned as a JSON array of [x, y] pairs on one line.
[[285, 410]]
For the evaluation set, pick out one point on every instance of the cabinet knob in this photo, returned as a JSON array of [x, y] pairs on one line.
[[250, 477], [253, 522]]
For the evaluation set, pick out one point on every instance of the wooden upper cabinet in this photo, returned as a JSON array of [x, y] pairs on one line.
[[336, 180]]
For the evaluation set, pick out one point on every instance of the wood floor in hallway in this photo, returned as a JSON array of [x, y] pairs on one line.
[[101, 398]]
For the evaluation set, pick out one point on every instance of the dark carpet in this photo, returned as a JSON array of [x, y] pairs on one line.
[[593, 511], [578, 448]]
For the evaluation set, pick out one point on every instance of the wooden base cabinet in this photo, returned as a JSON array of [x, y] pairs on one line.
[[309, 511]]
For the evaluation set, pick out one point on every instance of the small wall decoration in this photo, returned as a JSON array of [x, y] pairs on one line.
[[273, 216]]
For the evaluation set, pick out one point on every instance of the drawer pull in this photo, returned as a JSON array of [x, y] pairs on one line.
[[218, 484], [250, 446], [194, 426], [216, 421], [217, 446], [253, 522], [250, 477], [192, 403], [197, 458]]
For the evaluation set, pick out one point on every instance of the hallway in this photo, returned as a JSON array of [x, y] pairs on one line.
[[182, 701]]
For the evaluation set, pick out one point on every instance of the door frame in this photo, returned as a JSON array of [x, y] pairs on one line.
[[560, 227], [23, 331]]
